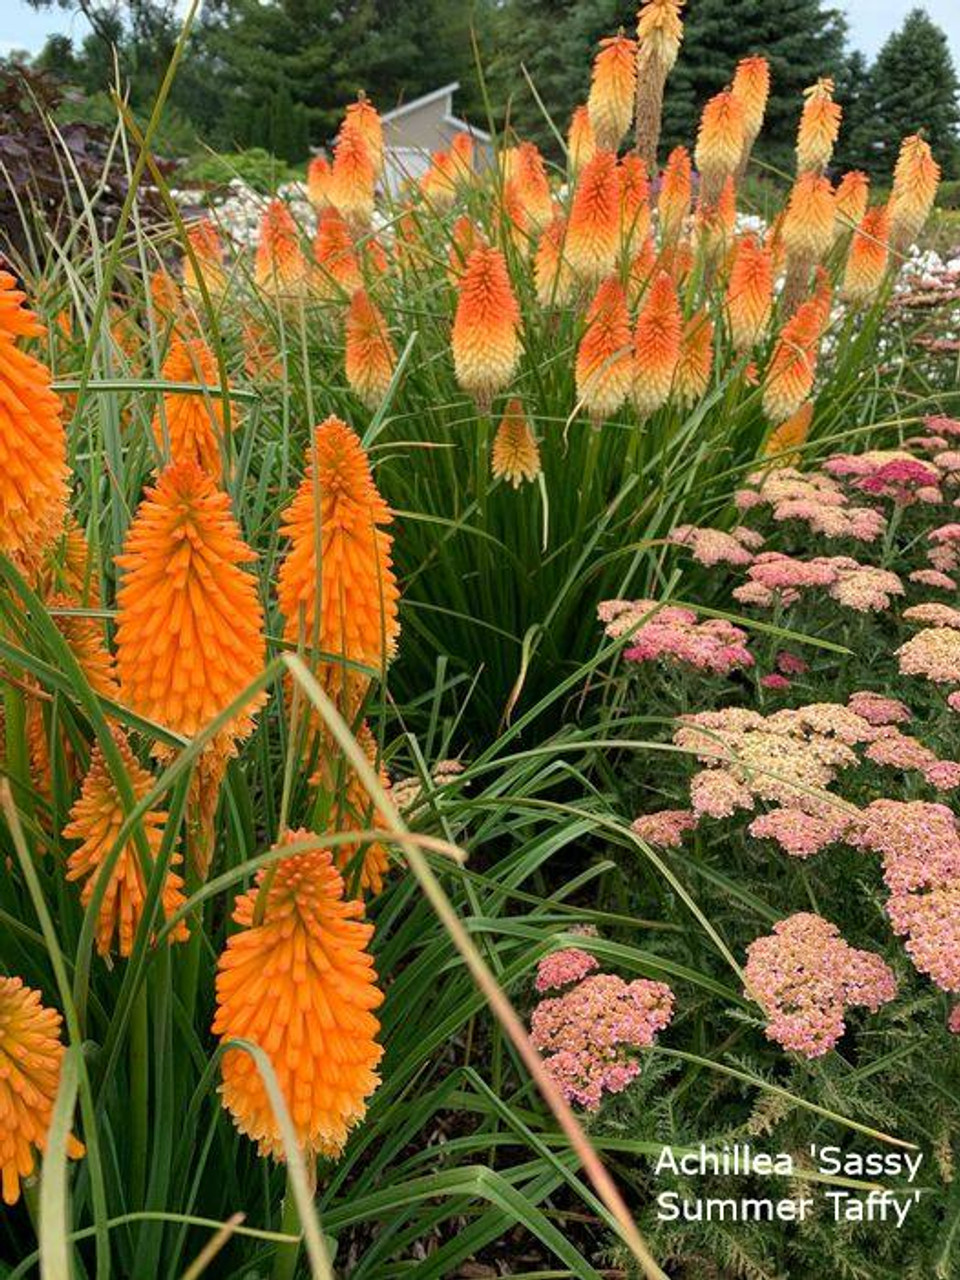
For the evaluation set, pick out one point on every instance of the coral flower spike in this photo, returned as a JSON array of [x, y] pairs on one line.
[[593, 230], [868, 257], [352, 178], [581, 141], [613, 90], [302, 986], [751, 87], [916, 177], [819, 127], [720, 141], [31, 1054], [280, 264], [191, 425], [604, 369], [749, 293], [486, 342], [793, 364], [189, 622], [96, 819], [33, 449], [370, 357], [656, 345], [346, 606]]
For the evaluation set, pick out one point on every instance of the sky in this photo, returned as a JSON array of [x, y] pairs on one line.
[[871, 21]]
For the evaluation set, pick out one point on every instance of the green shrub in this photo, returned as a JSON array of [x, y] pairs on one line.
[[257, 167]]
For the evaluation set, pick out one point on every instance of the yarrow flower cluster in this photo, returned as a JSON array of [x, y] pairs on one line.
[[673, 634], [665, 828], [589, 1035], [774, 576], [804, 976]]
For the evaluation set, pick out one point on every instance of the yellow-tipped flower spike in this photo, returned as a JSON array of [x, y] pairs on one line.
[[749, 297], [659, 33], [751, 88], [604, 369], [656, 345], [336, 588], [850, 200], [868, 257], [486, 339], [280, 264], [789, 435], [593, 230], [370, 357], [352, 178], [676, 188], [96, 819], [191, 426], [692, 376], [297, 979], [793, 365], [31, 1056], [581, 142], [552, 273], [189, 622], [318, 182], [207, 249], [516, 454], [363, 119], [528, 179], [915, 181], [819, 127], [807, 229], [720, 141], [33, 447], [613, 90], [337, 275]]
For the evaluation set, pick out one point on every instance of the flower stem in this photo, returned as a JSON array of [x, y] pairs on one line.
[[285, 1261]]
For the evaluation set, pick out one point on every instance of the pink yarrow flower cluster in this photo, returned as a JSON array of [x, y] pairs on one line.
[[589, 1035], [673, 634], [713, 546], [561, 968], [775, 576], [814, 499], [805, 975], [666, 828], [920, 848]]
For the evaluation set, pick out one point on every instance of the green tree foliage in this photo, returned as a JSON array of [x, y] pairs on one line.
[[913, 86]]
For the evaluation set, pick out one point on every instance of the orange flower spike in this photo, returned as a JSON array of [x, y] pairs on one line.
[[634, 201], [189, 622], [529, 180], [790, 435], [462, 157], [868, 257], [96, 819], [363, 119], [165, 298], [819, 127], [749, 293], [581, 142], [850, 201], [353, 809], [352, 178], [204, 239], [370, 357], [298, 980], [807, 229], [613, 89], [822, 296], [915, 181], [486, 327], [676, 189], [337, 275], [33, 447], [31, 1053], [68, 568], [279, 263], [692, 377], [593, 231], [438, 186], [793, 365], [720, 140], [192, 425], [751, 88], [604, 368], [516, 454], [656, 345], [318, 182], [346, 605], [552, 274]]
